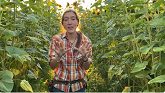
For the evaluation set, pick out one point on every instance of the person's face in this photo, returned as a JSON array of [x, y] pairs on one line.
[[70, 22]]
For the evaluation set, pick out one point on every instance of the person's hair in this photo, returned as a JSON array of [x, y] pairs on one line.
[[70, 10]]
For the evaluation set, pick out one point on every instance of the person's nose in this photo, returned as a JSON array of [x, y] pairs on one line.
[[69, 21]]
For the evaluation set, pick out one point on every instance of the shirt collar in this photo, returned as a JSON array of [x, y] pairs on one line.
[[64, 35]]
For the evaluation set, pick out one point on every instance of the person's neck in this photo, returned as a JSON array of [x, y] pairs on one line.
[[71, 36]]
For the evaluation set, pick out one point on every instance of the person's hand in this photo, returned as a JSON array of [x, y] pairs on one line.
[[59, 48], [84, 49]]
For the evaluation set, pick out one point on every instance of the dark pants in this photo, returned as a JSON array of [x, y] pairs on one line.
[[70, 90]]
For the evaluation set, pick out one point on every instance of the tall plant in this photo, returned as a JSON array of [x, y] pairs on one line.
[[26, 30], [128, 45]]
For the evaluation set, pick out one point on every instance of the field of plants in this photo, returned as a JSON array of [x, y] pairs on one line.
[[128, 38]]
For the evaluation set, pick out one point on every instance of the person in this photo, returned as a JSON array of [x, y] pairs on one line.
[[70, 55]]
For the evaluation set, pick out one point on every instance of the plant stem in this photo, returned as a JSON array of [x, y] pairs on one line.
[[133, 33], [150, 36]]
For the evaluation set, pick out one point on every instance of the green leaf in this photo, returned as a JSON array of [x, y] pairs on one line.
[[18, 25], [143, 74], [109, 2], [1, 49], [96, 3], [97, 44], [110, 22], [133, 3], [14, 51], [139, 66], [158, 79], [32, 17], [15, 71], [129, 53], [158, 3], [157, 66], [31, 50], [8, 33], [159, 49], [138, 22], [140, 37], [124, 76], [111, 67], [140, 13], [126, 37], [145, 49], [112, 32], [103, 42], [17, 53], [39, 66], [107, 55], [6, 82], [26, 86], [34, 39], [126, 89], [31, 74], [157, 22]]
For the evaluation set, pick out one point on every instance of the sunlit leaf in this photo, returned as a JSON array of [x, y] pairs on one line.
[[26, 86], [6, 81], [158, 79], [111, 67], [145, 49], [39, 66], [159, 49], [158, 3], [110, 22], [15, 71], [138, 22], [129, 53], [134, 2], [124, 76], [157, 22], [139, 66], [126, 89], [109, 2], [96, 3], [32, 17]]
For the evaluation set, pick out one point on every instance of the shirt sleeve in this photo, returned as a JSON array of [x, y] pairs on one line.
[[89, 55]]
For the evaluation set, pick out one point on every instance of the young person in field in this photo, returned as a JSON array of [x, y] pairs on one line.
[[70, 55]]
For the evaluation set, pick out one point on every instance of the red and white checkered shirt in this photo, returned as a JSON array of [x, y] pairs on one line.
[[71, 66]]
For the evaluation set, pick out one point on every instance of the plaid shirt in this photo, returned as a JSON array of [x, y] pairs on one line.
[[71, 66]]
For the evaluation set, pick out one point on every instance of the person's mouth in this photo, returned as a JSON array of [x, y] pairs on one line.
[[70, 27]]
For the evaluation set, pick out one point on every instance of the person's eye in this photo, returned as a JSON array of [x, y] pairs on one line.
[[73, 18], [65, 19]]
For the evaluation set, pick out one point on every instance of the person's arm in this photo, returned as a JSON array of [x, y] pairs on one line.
[[86, 62], [56, 51], [87, 59], [55, 62]]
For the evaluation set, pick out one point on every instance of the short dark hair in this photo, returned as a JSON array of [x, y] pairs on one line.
[[70, 10]]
